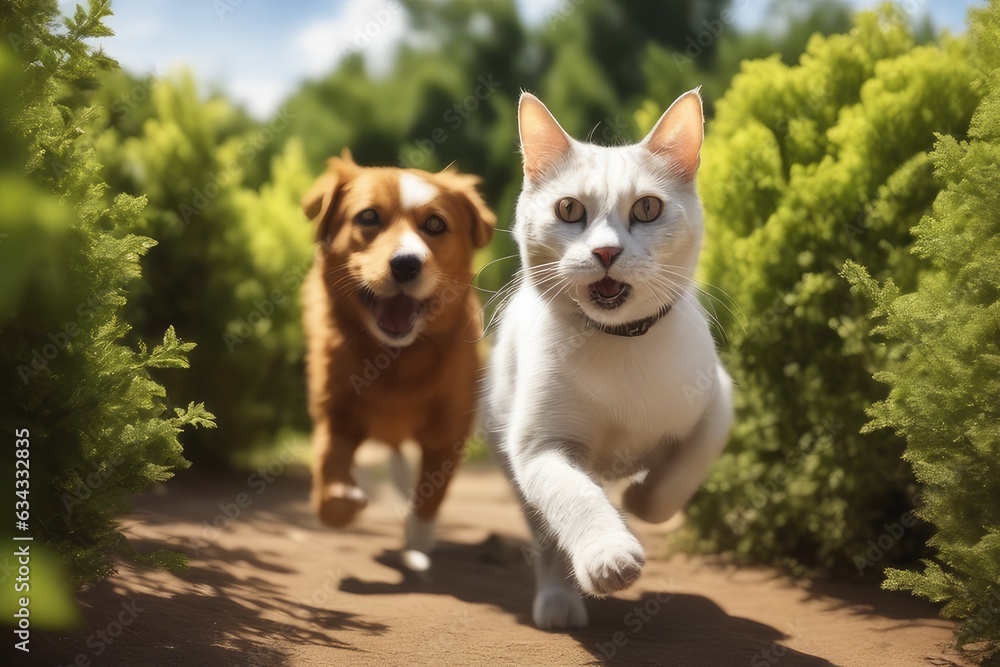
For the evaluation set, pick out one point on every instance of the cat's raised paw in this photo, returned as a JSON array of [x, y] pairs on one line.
[[558, 608], [609, 565]]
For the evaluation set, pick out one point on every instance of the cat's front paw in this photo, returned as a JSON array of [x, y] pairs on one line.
[[558, 608], [609, 565]]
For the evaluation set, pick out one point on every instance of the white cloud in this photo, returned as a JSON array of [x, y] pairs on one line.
[[373, 29], [533, 12], [260, 95]]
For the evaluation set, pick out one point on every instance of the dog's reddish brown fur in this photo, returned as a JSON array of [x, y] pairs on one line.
[[427, 392]]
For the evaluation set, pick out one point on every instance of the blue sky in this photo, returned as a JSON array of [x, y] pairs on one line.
[[258, 51]]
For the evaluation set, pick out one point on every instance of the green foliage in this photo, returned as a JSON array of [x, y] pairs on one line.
[[98, 423], [805, 167], [231, 257], [222, 190], [946, 380], [593, 63]]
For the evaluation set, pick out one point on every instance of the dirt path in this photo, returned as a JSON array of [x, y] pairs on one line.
[[276, 588]]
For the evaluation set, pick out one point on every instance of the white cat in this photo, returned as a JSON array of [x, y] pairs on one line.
[[604, 364]]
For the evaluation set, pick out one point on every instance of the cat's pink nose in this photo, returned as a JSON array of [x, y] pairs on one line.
[[607, 255]]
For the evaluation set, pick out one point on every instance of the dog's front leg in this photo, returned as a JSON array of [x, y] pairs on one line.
[[336, 497], [437, 467]]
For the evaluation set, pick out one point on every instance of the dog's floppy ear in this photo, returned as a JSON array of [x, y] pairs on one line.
[[317, 204], [483, 218]]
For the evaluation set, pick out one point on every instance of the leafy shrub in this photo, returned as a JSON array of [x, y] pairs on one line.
[[231, 256], [98, 424], [804, 167], [944, 387]]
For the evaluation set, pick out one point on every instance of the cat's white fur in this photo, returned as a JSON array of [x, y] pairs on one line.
[[569, 406]]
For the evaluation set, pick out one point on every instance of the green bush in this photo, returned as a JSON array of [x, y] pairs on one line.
[[230, 256], [98, 426], [804, 167], [945, 384]]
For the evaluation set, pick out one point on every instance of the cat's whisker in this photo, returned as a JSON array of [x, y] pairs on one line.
[[558, 287], [700, 287], [673, 292], [492, 262]]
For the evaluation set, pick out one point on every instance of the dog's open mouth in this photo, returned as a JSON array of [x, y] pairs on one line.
[[396, 315], [608, 293]]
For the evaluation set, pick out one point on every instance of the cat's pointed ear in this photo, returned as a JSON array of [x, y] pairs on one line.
[[543, 142], [679, 133]]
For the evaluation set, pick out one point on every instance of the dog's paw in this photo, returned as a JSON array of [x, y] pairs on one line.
[[558, 608], [419, 533], [416, 561], [419, 543], [338, 504], [610, 564]]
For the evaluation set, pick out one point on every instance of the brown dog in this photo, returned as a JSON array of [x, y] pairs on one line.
[[391, 326]]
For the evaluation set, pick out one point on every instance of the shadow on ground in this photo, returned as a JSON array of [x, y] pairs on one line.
[[657, 629], [228, 607], [225, 619]]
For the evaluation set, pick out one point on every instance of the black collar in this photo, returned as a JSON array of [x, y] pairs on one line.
[[630, 329]]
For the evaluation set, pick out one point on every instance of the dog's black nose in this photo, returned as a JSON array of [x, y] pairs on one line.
[[405, 267]]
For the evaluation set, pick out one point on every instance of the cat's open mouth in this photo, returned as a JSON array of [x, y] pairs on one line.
[[608, 293], [396, 315]]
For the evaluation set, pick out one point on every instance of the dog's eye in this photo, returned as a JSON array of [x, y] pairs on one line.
[[646, 209], [367, 218], [570, 210], [435, 225]]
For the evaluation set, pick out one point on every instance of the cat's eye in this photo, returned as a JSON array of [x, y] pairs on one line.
[[646, 209], [570, 210], [367, 218], [434, 225]]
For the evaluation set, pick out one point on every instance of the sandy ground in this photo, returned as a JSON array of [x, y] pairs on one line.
[[274, 587]]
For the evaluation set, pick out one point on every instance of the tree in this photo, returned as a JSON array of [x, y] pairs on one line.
[[230, 255], [98, 430], [946, 377], [804, 167]]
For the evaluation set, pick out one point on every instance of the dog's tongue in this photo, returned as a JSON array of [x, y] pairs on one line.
[[607, 287], [397, 314]]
